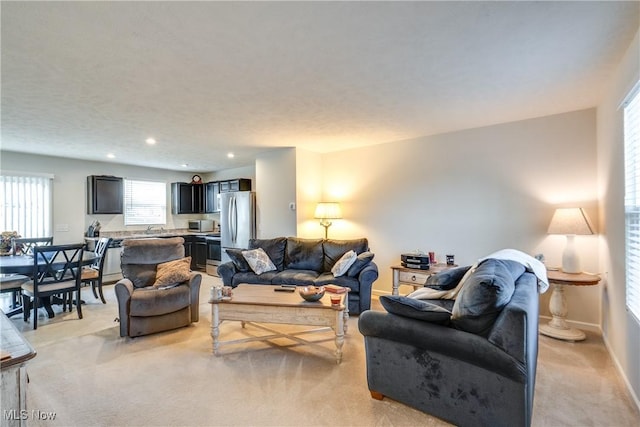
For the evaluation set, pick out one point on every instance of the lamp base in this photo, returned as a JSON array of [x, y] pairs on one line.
[[570, 259]]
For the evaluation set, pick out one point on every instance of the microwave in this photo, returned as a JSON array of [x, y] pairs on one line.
[[201, 225]]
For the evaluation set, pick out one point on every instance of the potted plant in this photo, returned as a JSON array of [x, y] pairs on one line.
[[6, 242]]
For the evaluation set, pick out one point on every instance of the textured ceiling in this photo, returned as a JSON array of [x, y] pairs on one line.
[[84, 79]]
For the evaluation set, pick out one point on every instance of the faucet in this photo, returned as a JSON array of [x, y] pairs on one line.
[[149, 229]]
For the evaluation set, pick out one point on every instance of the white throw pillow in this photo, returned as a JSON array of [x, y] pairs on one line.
[[344, 263], [258, 260]]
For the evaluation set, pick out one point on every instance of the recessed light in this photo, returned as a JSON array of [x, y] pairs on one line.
[[111, 156], [230, 155], [184, 165], [150, 141]]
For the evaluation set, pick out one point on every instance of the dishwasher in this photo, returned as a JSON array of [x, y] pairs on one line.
[[112, 271]]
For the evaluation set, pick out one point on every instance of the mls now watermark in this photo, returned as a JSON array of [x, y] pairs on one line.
[[34, 414]]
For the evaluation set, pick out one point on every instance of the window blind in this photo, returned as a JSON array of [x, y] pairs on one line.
[[632, 199], [145, 202], [25, 205]]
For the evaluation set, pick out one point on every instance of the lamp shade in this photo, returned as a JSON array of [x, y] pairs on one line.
[[328, 210], [569, 221]]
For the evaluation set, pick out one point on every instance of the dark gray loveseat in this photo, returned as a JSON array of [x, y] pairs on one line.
[[306, 262], [481, 378]]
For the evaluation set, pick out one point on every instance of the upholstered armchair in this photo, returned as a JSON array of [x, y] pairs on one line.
[[158, 291]]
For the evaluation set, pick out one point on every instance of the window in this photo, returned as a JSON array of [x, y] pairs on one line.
[[632, 198], [25, 204], [145, 202]]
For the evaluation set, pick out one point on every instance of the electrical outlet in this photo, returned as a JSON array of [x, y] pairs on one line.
[[292, 206]]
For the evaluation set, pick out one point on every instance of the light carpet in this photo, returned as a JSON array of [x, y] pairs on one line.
[[88, 376]]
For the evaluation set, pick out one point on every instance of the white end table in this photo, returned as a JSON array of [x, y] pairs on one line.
[[558, 326]]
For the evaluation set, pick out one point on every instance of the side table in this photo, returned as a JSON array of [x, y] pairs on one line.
[[558, 326], [414, 277]]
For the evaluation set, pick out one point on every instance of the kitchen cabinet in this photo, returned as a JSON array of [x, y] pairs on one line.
[[186, 198], [196, 248], [211, 201], [104, 194], [241, 184]]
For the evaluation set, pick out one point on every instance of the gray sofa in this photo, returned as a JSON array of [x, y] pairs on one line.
[[307, 262], [478, 369], [145, 308]]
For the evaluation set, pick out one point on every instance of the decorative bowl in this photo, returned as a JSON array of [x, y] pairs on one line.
[[311, 293]]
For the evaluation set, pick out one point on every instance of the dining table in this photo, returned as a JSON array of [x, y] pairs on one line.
[[24, 264]]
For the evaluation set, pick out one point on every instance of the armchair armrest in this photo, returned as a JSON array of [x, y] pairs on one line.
[[435, 338], [124, 289]]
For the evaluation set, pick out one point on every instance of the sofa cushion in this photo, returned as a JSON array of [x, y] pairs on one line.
[[238, 259], [415, 308], [275, 248], [173, 272], [155, 302], [360, 263], [447, 279], [341, 267], [253, 278], [295, 277], [483, 295], [334, 249], [345, 281], [304, 254], [258, 260]]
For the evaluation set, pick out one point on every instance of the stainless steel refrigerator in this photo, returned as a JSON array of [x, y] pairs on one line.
[[237, 220]]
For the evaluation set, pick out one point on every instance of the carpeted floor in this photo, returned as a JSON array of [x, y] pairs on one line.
[[87, 375]]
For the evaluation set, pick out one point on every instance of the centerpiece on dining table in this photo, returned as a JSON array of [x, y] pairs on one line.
[[6, 242]]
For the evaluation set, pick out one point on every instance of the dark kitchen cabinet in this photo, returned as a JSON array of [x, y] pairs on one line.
[[242, 184], [186, 198], [196, 248], [211, 193], [104, 194]]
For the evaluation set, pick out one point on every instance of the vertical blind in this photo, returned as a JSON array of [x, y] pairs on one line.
[[632, 199], [25, 205], [145, 202]]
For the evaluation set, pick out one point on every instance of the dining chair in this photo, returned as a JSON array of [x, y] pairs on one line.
[[26, 244], [92, 274], [56, 270], [12, 283]]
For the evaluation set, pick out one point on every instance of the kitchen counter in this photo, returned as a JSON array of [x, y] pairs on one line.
[[140, 234]]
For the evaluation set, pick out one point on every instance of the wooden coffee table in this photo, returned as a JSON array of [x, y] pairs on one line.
[[260, 303]]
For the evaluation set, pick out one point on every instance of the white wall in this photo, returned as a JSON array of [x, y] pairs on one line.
[[275, 190], [621, 331], [308, 193], [470, 193], [70, 191]]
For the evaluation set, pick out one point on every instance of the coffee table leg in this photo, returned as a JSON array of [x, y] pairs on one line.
[[215, 328], [346, 311], [339, 330]]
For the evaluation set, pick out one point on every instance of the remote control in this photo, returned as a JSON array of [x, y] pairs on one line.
[[283, 289]]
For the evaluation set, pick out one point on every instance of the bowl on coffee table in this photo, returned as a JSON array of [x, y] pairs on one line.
[[311, 293]]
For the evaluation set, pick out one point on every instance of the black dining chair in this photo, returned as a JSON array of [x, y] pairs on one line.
[[12, 283], [25, 245], [56, 271], [92, 274]]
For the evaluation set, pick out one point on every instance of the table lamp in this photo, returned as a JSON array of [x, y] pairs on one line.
[[570, 222], [326, 211]]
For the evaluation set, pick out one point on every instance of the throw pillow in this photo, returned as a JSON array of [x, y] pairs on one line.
[[445, 280], [360, 263], [173, 272], [343, 264], [238, 259], [415, 308], [258, 260], [485, 292]]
